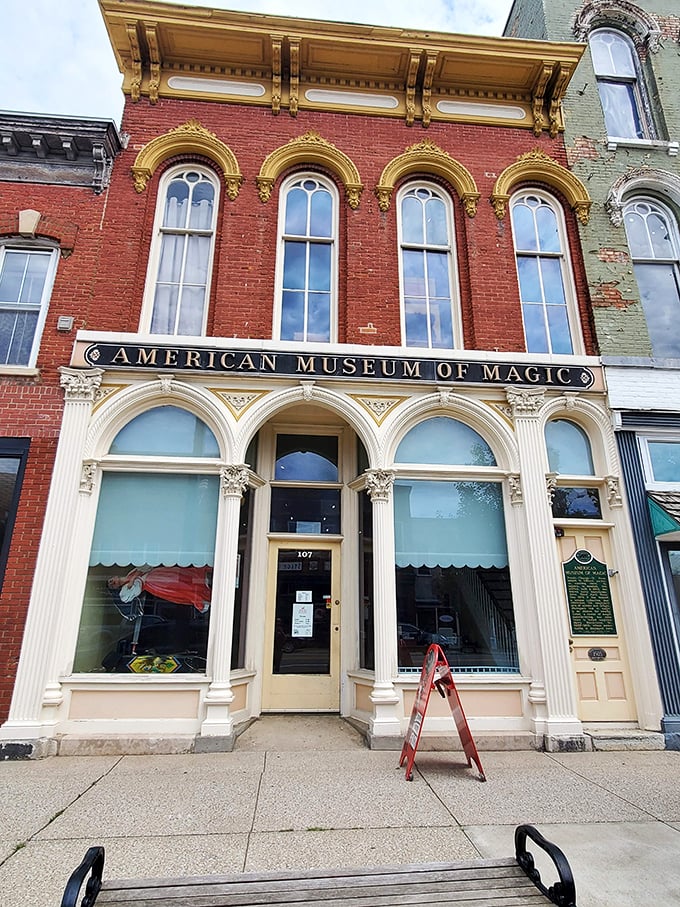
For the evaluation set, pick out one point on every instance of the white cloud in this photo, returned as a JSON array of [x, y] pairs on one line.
[[56, 57]]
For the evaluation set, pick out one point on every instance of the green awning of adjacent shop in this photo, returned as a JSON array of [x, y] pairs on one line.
[[664, 512]]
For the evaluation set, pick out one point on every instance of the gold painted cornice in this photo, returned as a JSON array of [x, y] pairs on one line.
[[426, 157], [190, 138], [538, 166], [168, 50], [310, 148]]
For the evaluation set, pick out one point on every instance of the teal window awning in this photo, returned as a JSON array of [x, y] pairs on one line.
[[664, 512]]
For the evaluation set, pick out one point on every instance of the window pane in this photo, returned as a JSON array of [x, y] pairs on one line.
[[659, 291], [296, 213], [322, 213], [198, 253], [662, 246], [558, 325], [176, 204], [553, 287], [319, 266], [636, 233], [415, 322], [313, 511], [548, 234], [535, 329], [12, 276], [435, 223], [665, 457], [438, 274], [568, 448], [577, 504], [164, 310], [310, 458], [172, 254], [414, 273], [17, 330], [294, 265], [292, 316], [191, 311], [319, 317], [202, 198], [620, 110], [529, 280], [445, 441], [612, 55], [441, 325], [524, 228], [166, 431], [412, 220]]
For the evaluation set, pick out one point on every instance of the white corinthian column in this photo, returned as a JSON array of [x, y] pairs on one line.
[[550, 612], [218, 721], [37, 691], [386, 702]]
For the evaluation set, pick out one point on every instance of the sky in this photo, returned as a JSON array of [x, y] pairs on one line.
[[56, 57]]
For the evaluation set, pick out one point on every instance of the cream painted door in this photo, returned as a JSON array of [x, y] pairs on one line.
[[302, 640], [599, 661]]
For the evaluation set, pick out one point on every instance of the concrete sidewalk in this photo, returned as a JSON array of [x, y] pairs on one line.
[[309, 794]]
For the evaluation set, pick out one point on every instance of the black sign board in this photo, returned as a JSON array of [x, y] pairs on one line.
[[212, 360], [588, 595]]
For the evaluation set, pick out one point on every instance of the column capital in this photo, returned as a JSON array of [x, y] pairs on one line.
[[379, 483], [80, 385], [525, 401], [234, 480]]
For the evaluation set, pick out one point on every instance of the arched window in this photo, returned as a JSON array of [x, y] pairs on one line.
[[149, 583], [26, 278], [570, 459], [619, 82], [429, 292], [180, 264], [545, 278], [307, 260], [652, 233], [451, 557]]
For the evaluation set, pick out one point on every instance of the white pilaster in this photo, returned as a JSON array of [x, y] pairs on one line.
[[218, 721], [551, 619], [386, 718], [37, 692]]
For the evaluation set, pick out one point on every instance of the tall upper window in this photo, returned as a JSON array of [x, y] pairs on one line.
[[619, 82], [180, 265], [26, 277], [427, 267], [652, 233], [308, 259], [544, 272]]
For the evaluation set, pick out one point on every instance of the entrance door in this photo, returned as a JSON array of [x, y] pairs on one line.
[[302, 642], [600, 662]]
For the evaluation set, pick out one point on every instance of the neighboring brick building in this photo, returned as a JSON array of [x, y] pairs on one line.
[[309, 387], [54, 173], [622, 135]]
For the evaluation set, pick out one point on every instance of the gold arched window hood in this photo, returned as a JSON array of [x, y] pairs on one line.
[[310, 148], [190, 138], [426, 157], [537, 166]]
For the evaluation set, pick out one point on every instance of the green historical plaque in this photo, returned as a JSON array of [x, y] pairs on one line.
[[588, 595]]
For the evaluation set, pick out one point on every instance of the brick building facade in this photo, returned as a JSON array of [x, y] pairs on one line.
[[313, 420], [622, 133]]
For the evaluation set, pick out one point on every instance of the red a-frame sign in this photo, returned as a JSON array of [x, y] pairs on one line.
[[437, 673]]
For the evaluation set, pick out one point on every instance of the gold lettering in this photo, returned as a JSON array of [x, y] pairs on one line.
[[349, 366], [333, 367], [548, 375], [171, 357], [247, 363], [513, 374], [211, 359], [444, 370], [491, 373], [306, 365], [560, 378], [227, 360], [121, 356], [268, 362], [411, 369], [385, 365], [193, 359], [146, 357], [369, 366], [462, 371], [531, 374]]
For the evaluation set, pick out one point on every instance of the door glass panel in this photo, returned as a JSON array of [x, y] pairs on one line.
[[303, 612]]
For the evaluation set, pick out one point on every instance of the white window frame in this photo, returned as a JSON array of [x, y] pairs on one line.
[[566, 267], [157, 241], [643, 441], [282, 238], [32, 249], [637, 85], [450, 249]]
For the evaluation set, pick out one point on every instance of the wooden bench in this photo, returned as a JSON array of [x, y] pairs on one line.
[[509, 882]]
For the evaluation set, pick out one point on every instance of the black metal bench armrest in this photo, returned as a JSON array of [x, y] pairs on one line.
[[93, 863], [562, 893]]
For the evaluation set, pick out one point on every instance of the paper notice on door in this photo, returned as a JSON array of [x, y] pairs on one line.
[[303, 619]]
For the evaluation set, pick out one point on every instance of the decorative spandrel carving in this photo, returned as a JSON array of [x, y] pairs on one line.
[[234, 480], [614, 497], [515, 485], [525, 402], [80, 385], [379, 484], [378, 407], [88, 474], [551, 486], [238, 402]]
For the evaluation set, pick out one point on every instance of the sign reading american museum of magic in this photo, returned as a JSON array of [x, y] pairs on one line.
[[315, 365]]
